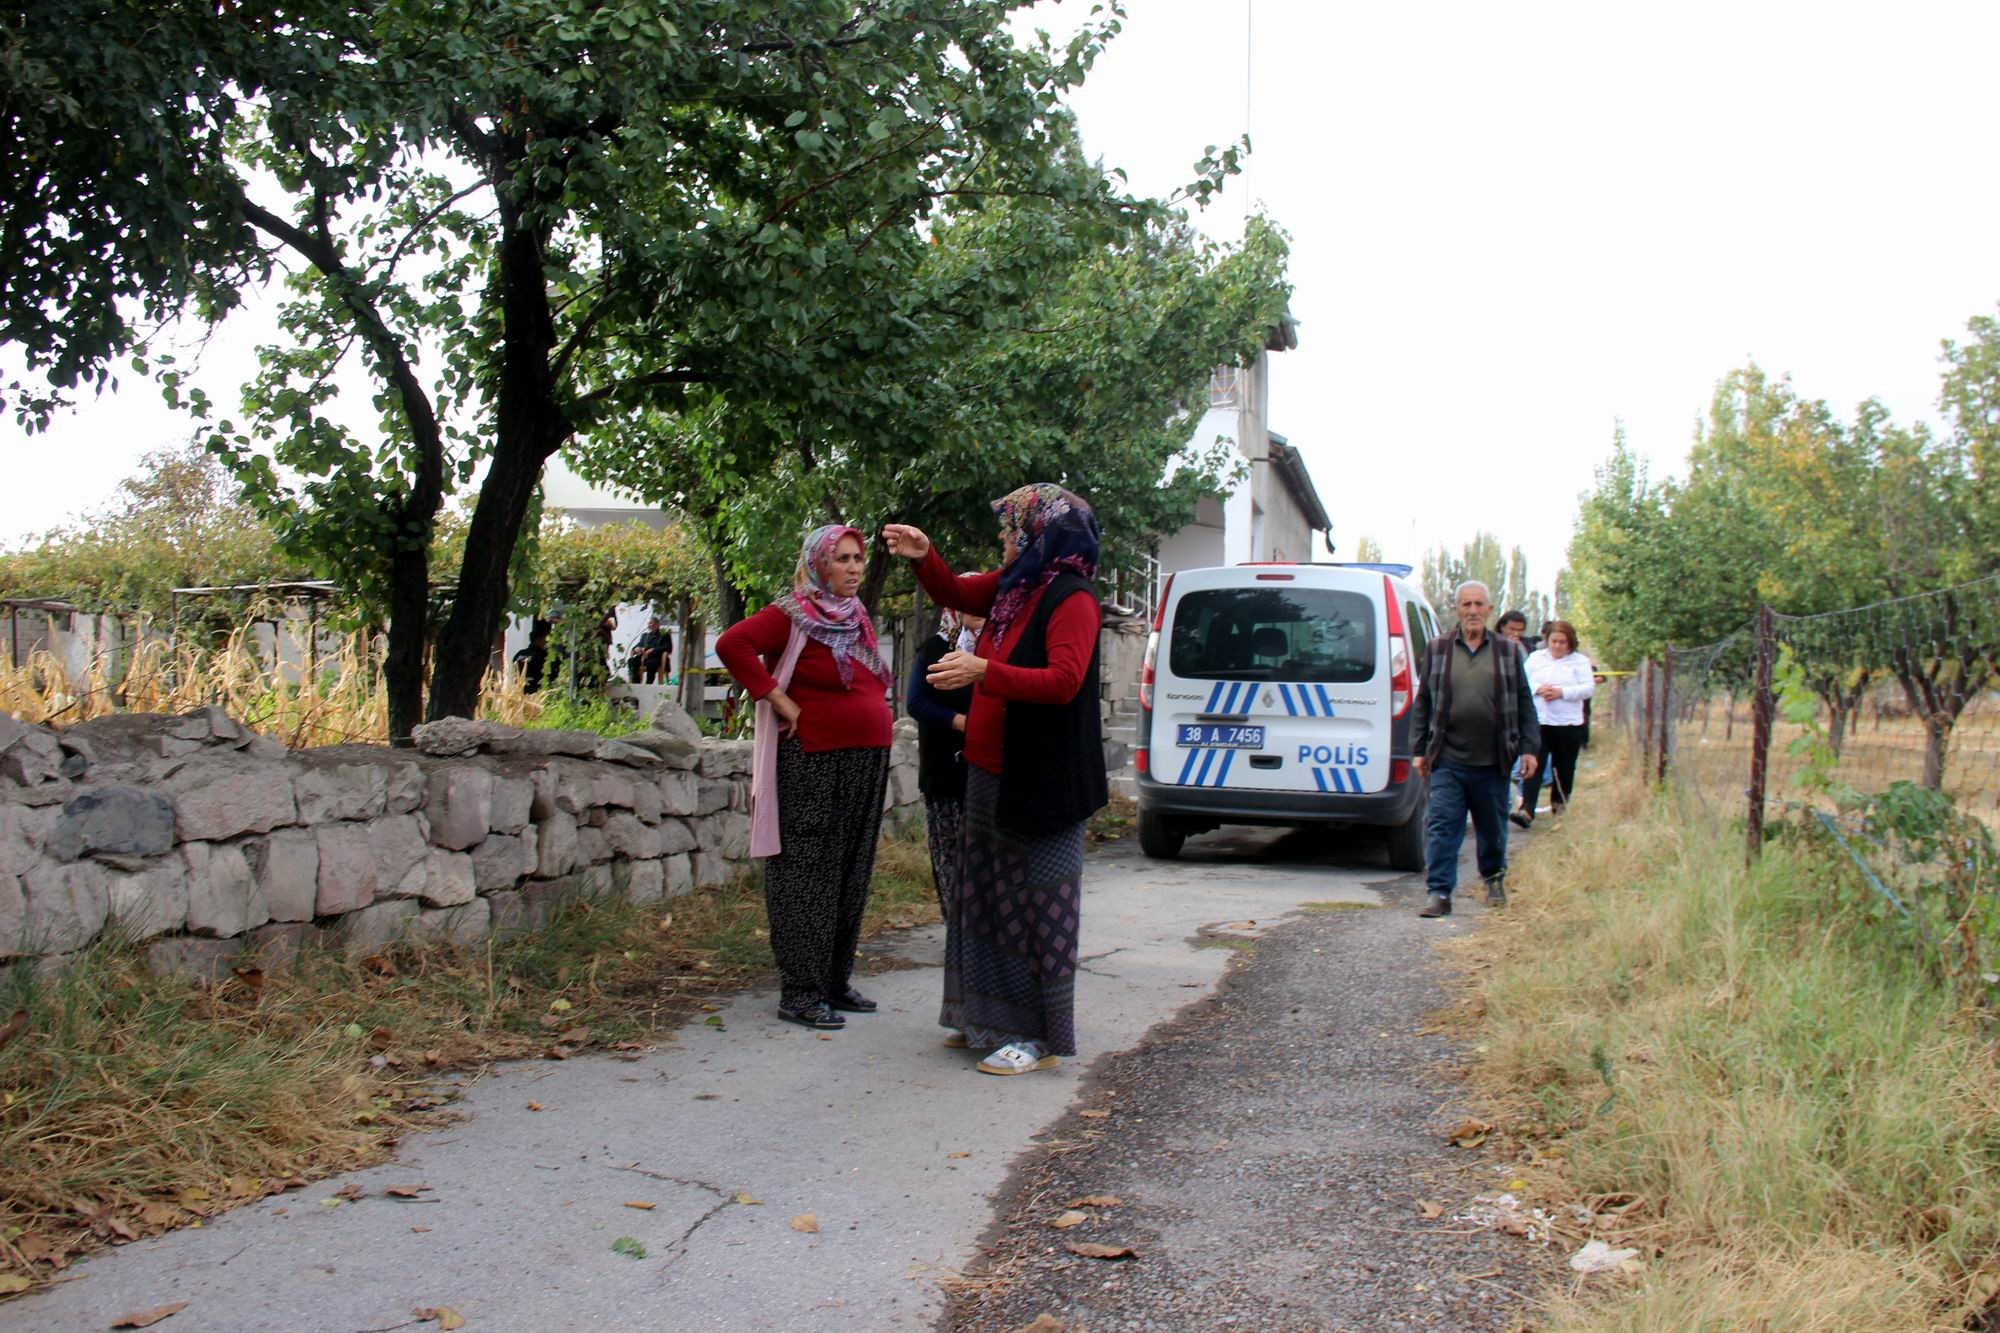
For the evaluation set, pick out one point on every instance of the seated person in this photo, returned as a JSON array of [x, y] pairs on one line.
[[652, 656]]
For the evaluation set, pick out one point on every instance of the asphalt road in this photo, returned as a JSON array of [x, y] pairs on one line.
[[896, 1147]]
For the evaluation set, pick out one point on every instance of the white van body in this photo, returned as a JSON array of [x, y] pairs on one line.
[[1280, 694]]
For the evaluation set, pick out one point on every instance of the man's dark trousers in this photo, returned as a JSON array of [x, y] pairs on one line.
[[1456, 790]]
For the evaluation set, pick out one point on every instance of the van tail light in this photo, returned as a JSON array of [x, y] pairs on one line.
[[1153, 654], [1140, 761], [1401, 689], [1399, 772]]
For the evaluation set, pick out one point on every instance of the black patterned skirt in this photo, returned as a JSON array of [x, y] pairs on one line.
[[941, 825], [1011, 931]]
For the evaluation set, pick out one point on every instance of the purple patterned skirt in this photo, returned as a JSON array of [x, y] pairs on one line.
[[1011, 932]]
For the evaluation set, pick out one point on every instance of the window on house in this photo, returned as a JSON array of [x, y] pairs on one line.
[[1222, 386]]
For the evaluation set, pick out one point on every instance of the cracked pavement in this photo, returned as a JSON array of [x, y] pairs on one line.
[[896, 1145]]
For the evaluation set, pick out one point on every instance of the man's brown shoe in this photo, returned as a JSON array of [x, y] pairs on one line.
[[1496, 893], [1439, 905]]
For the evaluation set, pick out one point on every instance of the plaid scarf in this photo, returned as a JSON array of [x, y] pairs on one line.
[[1507, 660]]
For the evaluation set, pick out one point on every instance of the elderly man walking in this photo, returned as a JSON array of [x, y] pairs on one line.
[[1475, 716]]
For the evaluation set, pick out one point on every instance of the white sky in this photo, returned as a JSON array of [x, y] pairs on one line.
[[1511, 225]]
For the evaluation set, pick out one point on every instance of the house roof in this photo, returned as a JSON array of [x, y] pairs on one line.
[[1291, 468]]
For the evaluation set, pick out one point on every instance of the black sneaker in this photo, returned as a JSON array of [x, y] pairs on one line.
[[1521, 817], [817, 1014], [1496, 893], [1439, 905]]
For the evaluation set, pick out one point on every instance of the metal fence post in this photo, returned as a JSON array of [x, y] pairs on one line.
[[1761, 713], [1666, 709]]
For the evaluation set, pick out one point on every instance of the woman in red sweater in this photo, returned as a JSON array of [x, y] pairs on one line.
[[1034, 773], [823, 763]]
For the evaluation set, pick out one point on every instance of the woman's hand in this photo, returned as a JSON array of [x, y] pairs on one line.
[[958, 723], [787, 711], [906, 541], [1550, 692], [954, 671]]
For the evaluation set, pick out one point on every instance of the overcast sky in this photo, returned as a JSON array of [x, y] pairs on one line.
[[1511, 227]]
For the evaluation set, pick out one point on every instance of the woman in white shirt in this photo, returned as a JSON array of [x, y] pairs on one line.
[[1560, 678]]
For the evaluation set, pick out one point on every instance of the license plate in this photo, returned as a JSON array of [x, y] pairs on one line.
[[1223, 737]]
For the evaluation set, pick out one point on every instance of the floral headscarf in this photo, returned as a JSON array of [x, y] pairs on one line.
[[841, 623], [954, 631], [1054, 533]]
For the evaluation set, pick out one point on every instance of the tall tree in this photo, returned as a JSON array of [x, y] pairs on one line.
[[1367, 550], [531, 220]]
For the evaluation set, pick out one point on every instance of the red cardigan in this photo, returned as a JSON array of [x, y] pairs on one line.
[[1072, 638], [832, 716]]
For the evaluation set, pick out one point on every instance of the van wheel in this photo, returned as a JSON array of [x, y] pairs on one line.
[[1406, 841], [1159, 837]]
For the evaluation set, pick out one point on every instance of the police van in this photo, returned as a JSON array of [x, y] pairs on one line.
[[1281, 694]]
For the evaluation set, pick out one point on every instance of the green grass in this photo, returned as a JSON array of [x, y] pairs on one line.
[[1811, 1119]]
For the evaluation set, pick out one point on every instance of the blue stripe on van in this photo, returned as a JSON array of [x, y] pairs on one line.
[[1354, 781], [1319, 776], [1188, 767], [1201, 777], [1324, 701], [1333, 776], [1222, 774], [1306, 701], [1229, 700], [1291, 709], [1214, 696]]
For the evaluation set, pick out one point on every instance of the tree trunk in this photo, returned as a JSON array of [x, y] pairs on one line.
[[528, 428], [728, 597], [1937, 743], [876, 579], [409, 614]]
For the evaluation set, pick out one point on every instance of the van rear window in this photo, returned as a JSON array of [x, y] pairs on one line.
[[1308, 634]]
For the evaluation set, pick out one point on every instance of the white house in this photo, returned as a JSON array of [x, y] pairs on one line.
[[1276, 512]]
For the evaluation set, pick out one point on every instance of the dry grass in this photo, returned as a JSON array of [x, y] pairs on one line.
[[1810, 1123], [343, 700], [130, 1106]]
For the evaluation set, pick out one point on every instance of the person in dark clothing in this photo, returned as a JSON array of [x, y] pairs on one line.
[[1034, 774], [652, 656], [533, 660], [940, 717], [1475, 715]]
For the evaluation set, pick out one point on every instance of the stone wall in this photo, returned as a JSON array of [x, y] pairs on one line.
[[216, 847]]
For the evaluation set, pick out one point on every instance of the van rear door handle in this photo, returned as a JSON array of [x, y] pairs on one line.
[[1267, 761]]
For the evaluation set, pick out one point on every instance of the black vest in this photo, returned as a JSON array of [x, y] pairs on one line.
[[1052, 755]]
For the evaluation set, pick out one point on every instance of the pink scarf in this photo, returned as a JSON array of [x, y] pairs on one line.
[[764, 757]]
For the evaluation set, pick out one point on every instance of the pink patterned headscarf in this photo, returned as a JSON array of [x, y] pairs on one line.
[[1054, 533], [841, 623]]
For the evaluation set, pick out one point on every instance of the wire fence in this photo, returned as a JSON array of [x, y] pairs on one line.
[[1877, 727]]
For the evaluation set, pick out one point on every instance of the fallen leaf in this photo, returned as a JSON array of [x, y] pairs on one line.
[[628, 1046], [956, 1155], [419, 1230], [559, 1006], [14, 1026], [446, 1317], [1044, 1323], [406, 1191], [380, 1038], [148, 1318], [1072, 1218], [37, 1249], [253, 977], [575, 1037], [433, 1057], [379, 965], [747, 1201], [628, 1246], [1431, 1209], [1090, 1251], [806, 1222], [158, 1215], [557, 1052], [1094, 1115], [355, 1030], [1095, 1201], [714, 1021], [1470, 1133], [707, 1096], [534, 1106], [13, 1284], [642, 1207], [350, 1192], [194, 1194]]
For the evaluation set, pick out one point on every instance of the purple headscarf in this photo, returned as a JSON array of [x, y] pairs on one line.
[[1054, 533]]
